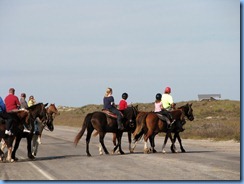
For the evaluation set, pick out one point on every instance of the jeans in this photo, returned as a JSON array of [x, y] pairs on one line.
[[116, 111]]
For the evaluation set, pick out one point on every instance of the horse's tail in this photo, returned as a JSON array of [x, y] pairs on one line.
[[84, 126], [140, 123]]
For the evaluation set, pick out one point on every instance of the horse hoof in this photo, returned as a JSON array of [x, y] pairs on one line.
[[163, 151], [31, 157]]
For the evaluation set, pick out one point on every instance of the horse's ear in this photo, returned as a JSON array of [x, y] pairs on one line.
[[45, 104], [191, 104]]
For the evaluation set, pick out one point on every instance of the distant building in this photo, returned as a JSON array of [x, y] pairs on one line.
[[208, 97]]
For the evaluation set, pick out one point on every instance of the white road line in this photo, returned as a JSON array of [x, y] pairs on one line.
[[41, 171]]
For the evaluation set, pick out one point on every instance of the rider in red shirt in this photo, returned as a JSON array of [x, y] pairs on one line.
[[12, 101], [123, 104]]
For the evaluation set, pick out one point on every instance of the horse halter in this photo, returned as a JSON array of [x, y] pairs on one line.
[[189, 114]]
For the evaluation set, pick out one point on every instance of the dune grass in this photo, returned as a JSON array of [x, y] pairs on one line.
[[217, 120]]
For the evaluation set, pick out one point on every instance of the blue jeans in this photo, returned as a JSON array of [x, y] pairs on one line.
[[116, 111]]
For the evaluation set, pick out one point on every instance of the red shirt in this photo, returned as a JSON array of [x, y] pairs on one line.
[[122, 105], [11, 102]]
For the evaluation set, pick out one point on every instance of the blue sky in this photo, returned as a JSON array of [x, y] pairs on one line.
[[69, 52]]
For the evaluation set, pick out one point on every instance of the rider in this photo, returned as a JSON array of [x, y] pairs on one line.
[[31, 101], [160, 110], [12, 104], [108, 103], [23, 103], [123, 103], [37, 121], [169, 105], [167, 100]]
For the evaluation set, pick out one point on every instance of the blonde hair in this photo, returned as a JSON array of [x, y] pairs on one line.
[[108, 91]]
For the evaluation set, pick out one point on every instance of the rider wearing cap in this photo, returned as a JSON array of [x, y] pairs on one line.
[[123, 103], [160, 110], [167, 99]]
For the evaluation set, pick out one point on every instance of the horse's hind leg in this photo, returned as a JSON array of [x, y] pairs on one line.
[[151, 139], [88, 137]]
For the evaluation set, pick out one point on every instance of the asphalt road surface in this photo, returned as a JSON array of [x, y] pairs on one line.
[[58, 159]]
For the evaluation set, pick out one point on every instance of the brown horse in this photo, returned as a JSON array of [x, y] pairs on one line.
[[185, 111], [103, 124], [52, 111], [150, 125], [37, 110], [20, 118]]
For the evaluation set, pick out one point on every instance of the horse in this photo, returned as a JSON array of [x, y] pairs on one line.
[[37, 110], [186, 111], [103, 123], [20, 118], [150, 125], [36, 139]]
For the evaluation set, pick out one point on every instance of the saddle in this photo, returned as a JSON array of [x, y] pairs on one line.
[[110, 114], [160, 116]]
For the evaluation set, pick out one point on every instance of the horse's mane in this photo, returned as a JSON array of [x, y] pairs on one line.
[[33, 106]]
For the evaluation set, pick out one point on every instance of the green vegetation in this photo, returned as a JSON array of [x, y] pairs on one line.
[[218, 120]]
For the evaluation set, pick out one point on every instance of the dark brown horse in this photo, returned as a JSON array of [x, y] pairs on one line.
[[20, 118], [185, 111], [150, 125], [37, 110], [52, 111], [103, 124]]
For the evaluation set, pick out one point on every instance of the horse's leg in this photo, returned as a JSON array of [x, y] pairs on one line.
[[88, 137], [9, 159], [165, 142], [146, 136], [114, 142], [101, 139], [173, 148], [134, 146], [100, 149], [29, 153], [129, 140], [16, 146], [34, 145], [9, 142], [152, 142], [119, 138], [146, 150], [177, 135]]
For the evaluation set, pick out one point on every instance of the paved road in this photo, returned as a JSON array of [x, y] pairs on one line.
[[58, 159]]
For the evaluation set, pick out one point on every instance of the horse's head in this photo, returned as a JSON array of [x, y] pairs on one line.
[[52, 111], [38, 110], [188, 111], [130, 114]]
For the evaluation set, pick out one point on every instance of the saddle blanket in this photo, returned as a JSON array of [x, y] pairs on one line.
[[110, 114]]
